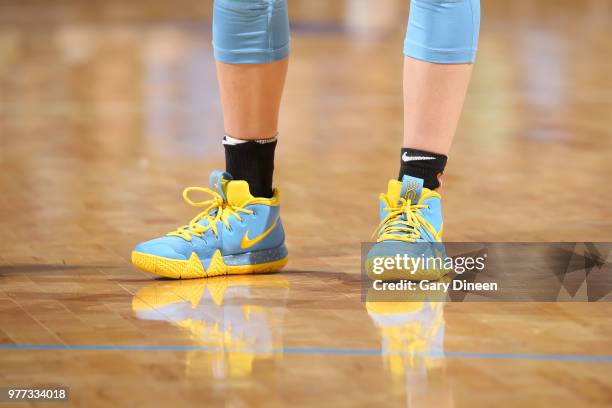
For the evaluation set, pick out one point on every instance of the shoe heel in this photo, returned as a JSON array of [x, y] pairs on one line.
[[267, 260]]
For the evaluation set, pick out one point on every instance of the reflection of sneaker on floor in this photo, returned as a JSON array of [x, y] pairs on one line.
[[223, 316], [235, 234], [410, 224], [412, 333], [412, 345]]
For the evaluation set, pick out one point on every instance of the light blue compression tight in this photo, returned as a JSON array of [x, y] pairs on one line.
[[257, 31]]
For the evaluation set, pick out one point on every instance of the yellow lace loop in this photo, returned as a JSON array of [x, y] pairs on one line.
[[223, 211], [394, 227]]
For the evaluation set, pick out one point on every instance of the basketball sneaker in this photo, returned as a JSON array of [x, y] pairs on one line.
[[410, 228], [235, 234]]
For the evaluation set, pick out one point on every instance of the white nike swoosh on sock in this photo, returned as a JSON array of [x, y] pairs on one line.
[[407, 158]]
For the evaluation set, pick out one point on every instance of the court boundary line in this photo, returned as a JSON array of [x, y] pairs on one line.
[[309, 350]]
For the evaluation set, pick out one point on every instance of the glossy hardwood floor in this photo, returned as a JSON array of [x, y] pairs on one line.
[[109, 108]]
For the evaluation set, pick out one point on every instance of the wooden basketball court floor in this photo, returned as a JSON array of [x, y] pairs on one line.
[[109, 108]]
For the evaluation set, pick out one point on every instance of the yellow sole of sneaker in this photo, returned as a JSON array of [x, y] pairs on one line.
[[193, 269]]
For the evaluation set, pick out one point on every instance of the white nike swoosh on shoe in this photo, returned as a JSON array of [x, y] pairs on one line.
[[407, 158]]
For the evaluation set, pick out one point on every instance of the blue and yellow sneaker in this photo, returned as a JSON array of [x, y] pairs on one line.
[[410, 225], [235, 234]]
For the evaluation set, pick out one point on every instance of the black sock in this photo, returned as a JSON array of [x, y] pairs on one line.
[[422, 164], [252, 161]]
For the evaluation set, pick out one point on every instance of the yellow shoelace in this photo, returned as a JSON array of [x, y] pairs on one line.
[[223, 211], [393, 227]]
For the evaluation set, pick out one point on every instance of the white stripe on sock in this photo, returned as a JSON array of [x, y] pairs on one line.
[[232, 141]]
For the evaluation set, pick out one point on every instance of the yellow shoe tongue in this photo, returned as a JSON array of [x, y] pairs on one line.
[[410, 188], [394, 189], [237, 192]]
